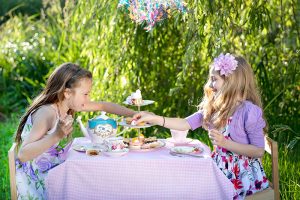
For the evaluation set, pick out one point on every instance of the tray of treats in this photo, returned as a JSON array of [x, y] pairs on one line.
[[129, 122], [135, 99], [143, 144]]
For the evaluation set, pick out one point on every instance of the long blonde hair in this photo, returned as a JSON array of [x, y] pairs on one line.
[[237, 87], [65, 76]]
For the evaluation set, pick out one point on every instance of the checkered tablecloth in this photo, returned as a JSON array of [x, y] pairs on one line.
[[138, 175]]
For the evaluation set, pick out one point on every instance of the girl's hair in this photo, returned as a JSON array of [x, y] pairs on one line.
[[237, 87], [65, 76]]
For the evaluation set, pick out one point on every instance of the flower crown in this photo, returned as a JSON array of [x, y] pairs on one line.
[[226, 64]]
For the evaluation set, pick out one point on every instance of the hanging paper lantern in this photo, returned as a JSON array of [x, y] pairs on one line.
[[150, 12]]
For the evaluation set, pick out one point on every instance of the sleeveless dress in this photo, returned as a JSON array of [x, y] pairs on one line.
[[30, 175], [245, 173]]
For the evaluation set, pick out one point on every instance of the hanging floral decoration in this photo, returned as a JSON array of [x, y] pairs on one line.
[[151, 12]]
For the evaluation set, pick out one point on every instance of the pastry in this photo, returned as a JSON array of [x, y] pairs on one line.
[[131, 121], [150, 140], [128, 120], [135, 143], [141, 137], [126, 141]]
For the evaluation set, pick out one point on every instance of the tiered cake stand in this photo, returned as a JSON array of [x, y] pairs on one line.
[[145, 103]]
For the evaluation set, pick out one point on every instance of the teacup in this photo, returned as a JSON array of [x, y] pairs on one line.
[[179, 136], [114, 143]]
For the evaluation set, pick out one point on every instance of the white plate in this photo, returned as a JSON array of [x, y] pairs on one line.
[[186, 141], [161, 144], [123, 123], [145, 103], [192, 150], [116, 153], [84, 147]]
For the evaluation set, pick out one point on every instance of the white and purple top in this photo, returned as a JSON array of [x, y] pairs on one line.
[[246, 126]]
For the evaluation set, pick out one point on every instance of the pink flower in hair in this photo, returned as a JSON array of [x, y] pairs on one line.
[[226, 64]]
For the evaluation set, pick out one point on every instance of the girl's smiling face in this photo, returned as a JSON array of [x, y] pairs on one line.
[[216, 82]]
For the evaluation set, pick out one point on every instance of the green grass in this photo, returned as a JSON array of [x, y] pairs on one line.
[[288, 162]]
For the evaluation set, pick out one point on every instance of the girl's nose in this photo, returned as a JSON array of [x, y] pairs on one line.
[[211, 85]]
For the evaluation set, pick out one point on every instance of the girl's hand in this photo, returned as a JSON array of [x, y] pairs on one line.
[[64, 126], [145, 116], [217, 138]]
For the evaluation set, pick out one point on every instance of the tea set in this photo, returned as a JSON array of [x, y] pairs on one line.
[[102, 131]]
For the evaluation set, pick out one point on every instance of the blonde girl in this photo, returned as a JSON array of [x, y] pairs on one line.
[[47, 121], [231, 112]]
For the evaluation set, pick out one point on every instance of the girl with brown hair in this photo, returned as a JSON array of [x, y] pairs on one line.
[[47, 121]]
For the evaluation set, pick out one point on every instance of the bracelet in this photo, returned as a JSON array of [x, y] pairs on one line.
[[164, 121]]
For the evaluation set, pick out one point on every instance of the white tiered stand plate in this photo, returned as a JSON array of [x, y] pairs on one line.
[[145, 103]]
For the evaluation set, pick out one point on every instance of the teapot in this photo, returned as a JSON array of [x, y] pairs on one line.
[[99, 128]]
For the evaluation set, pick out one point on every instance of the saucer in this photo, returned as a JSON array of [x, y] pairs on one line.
[[186, 141], [116, 153], [85, 147]]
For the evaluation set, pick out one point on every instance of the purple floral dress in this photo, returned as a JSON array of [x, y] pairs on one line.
[[246, 173], [30, 175]]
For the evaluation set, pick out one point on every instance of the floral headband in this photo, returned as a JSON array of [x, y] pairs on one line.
[[226, 64]]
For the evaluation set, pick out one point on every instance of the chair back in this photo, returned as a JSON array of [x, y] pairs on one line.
[[272, 192], [12, 154], [271, 147]]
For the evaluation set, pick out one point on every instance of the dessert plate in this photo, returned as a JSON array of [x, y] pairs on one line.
[[187, 150], [186, 141], [160, 145], [84, 147], [116, 153], [145, 103], [123, 123]]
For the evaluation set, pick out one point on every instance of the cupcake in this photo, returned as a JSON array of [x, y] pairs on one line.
[[135, 143]]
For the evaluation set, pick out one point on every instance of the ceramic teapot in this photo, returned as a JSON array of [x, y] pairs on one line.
[[99, 128]]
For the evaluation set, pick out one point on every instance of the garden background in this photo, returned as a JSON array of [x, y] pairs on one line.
[[169, 63]]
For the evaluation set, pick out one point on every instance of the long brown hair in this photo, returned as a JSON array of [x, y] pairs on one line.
[[237, 87], [65, 76]]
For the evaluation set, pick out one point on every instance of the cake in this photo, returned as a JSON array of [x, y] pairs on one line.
[[135, 98], [150, 142]]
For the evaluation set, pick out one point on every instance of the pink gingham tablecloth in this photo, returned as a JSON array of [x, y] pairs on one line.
[[138, 175]]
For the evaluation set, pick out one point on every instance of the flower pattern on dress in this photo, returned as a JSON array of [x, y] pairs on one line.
[[30, 175], [245, 173]]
